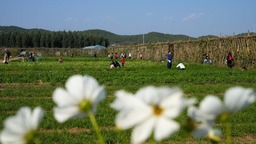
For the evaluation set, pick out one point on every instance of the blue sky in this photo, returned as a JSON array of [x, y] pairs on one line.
[[129, 17]]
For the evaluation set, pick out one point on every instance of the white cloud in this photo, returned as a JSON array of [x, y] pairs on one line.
[[68, 19], [149, 14], [193, 16], [168, 18], [86, 20], [72, 20], [109, 18]]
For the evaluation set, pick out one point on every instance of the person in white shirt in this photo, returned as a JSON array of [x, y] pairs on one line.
[[130, 55], [180, 66]]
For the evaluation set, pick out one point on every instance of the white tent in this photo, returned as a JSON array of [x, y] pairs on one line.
[[93, 49], [96, 47]]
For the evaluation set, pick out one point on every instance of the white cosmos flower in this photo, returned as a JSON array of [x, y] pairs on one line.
[[21, 128], [200, 123], [82, 94], [151, 109], [212, 108]]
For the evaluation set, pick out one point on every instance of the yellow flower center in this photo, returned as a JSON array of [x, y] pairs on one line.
[[157, 110], [29, 137], [224, 117], [215, 136], [191, 124], [85, 105]]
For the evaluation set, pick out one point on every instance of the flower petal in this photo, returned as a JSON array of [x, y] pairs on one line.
[[14, 124], [141, 132], [194, 113], [7, 137], [174, 99], [167, 92], [211, 105], [63, 98], [126, 100], [75, 87], [90, 84], [149, 95], [164, 128], [128, 118], [16, 127], [238, 97], [173, 104], [98, 95], [171, 112], [201, 131], [25, 115], [62, 114], [37, 116]]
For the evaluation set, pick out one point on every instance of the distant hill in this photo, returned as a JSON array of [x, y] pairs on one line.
[[15, 29], [115, 39], [11, 29], [207, 36], [151, 37], [246, 34]]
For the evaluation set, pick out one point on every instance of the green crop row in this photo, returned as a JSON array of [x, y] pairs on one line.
[[32, 84]]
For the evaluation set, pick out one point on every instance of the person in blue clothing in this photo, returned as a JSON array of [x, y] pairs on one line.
[[169, 60]]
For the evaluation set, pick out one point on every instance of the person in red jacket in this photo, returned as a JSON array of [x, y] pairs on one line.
[[122, 61], [229, 60]]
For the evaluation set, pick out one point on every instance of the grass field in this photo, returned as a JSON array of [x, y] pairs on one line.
[[32, 84]]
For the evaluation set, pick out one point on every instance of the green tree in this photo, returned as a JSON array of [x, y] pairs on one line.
[[18, 39], [42, 40], [36, 38]]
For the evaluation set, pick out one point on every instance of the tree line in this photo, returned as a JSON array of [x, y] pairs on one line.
[[49, 39]]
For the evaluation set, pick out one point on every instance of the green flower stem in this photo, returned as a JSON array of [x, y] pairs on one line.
[[228, 133], [36, 141], [96, 127], [31, 137], [152, 141]]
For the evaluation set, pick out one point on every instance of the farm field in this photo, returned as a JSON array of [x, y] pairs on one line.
[[32, 84]]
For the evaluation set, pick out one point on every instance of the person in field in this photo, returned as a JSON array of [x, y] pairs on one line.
[[22, 55], [95, 55], [180, 66], [60, 60], [141, 56], [130, 55], [169, 60], [116, 55], [207, 59], [117, 64], [37, 58], [112, 64], [7, 55], [229, 60], [122, 61], [31, 57]]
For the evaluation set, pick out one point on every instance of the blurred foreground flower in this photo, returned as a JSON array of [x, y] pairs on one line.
[[150, 110], [80, 99], [199, 123], [82, 95], [212, 109], [21, 128]]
